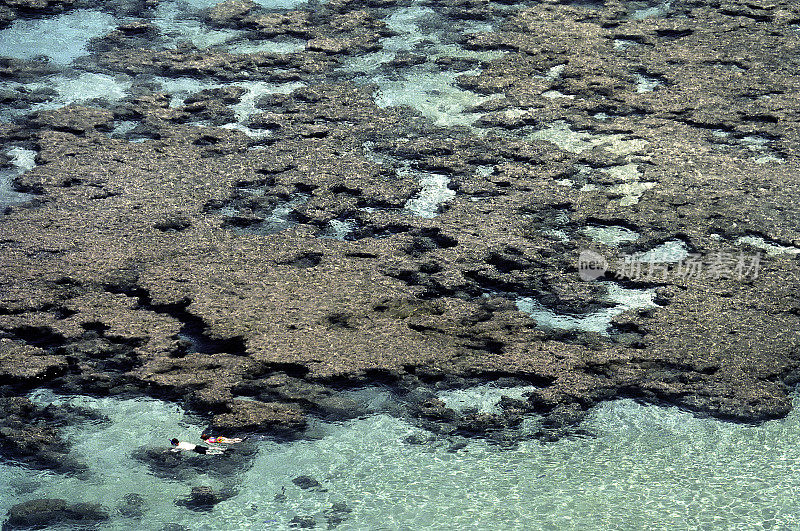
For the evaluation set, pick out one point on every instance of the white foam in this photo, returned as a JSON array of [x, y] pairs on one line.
[[339, 229], [22, 159]]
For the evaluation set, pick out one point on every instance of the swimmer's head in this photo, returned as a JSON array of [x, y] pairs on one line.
[[174, 442]]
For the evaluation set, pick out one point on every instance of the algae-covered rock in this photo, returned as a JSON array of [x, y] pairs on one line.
[[254, 272]]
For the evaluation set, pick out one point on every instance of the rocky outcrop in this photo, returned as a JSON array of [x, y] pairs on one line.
[[158, 262]]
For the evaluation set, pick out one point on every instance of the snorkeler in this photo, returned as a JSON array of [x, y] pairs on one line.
[[180, 446], [220, 440]]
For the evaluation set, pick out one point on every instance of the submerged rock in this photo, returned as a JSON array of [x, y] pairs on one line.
[[131, 505], [249, 416], [337, 514], [303, 522], [36, 514], [307, 482], [204, 498], [31, 434]]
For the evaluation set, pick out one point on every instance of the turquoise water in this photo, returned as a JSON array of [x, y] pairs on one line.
[[61, 39], [643, 467]]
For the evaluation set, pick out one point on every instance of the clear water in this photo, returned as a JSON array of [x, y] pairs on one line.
[[646, 84], [182, 87], [433, 193], [427, 88], [172, 21], [643, 10], [434, 94], [483, 398], [562, 135], [21, 160], [629, 187], [283, 46], [88, 86], [181, 21], [61, 39], [672, 251], [624, 44], [623, 299], [67, 88], [771, 249], [643, 467], [611, 235]]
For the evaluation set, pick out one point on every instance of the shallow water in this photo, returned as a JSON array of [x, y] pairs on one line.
[[425, 87], [62, 39], [643, 467], [611, 235], [433, 193], [21, 160], [622, 299], [646, 466]]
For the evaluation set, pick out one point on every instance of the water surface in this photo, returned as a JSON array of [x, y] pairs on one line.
[[642, 467]]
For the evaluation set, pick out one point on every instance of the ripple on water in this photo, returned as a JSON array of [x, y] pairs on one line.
[[644, 467], [62, 39], [21, 160], [623, 299]]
